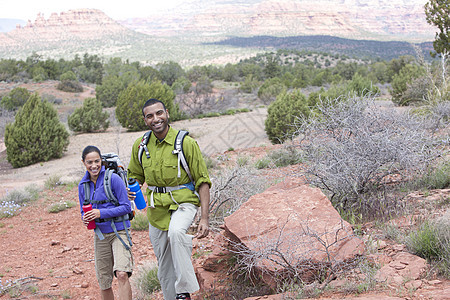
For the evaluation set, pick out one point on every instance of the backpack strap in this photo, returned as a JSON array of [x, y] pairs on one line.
[[143, 146], [87, 198], [179, 151], [107, 186]]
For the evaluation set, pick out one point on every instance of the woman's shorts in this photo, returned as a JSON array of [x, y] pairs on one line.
[[111, 256]]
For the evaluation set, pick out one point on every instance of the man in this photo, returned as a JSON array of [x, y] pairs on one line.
[[173, 201]]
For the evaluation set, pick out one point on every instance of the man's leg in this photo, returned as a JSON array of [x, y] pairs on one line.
[[166, 272], [124, 286], [181, 246]]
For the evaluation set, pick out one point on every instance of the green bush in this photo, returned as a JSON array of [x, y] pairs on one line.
[[15, 99], [132, 99], [285, 156], [60, 206], [402, 80], [35, 135], [140, 221], [89, 118], [70, 86], [69, 75], [270, 89], [282, 114], [146, 280], [108, 92]]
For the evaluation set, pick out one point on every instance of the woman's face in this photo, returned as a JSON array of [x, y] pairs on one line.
[[93, 164]]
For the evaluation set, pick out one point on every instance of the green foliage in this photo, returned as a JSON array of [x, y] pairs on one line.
[[132, 99], [15, 99], [36, 134], [286, 156], [70, 86], [69, 75], [89, 118], [282, 114], [169, 71], [438, 14], [362, 86], [60, 206], [140, 221], [270, 89], [52, 182], [181, 85], [249, 85], [109, 90], [11, 203], [401, 81], [432, 242], [146, 280]]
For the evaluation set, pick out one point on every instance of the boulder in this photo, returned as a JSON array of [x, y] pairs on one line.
[[291, 229]]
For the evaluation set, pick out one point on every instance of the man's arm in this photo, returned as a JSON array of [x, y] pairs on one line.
[[203, 225]]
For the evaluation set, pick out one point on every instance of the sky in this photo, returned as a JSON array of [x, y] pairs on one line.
[[118, 10]]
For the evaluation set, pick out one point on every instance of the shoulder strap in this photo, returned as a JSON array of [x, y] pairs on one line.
[[179, 151], [107, 187], [143, 146], [87, 192]]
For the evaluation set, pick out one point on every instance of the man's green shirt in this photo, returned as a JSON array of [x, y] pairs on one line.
[[161, 170]]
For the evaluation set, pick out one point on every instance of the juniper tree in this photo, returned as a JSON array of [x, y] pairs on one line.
[[35, 135], [89, 118]]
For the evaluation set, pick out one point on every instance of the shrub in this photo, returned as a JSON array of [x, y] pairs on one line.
[[282, 113], [108, 92], [60, 206], [89, 118], [353, 149], [288, 155], [146, 280], [35, 135], [140, 221], [132, 99], [401, 81], [270, 89], [15, 99], [70, 86]]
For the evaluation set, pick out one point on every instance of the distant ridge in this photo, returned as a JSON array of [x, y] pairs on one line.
[[322, 43]]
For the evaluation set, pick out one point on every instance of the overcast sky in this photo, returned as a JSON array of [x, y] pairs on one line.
[[28, 9]]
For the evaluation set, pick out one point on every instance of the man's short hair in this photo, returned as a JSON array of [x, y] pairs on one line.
[[152, 101]]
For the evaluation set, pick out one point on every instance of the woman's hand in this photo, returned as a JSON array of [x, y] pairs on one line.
[[91, 215]]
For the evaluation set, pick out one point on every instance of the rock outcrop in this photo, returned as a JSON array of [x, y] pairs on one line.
[[290, 227]]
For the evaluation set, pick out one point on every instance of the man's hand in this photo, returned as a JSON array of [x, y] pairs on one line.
[[203, 228]]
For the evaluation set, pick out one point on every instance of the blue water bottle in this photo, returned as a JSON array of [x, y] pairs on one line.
[[134, 187]]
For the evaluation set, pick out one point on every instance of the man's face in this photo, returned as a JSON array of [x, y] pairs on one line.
[[157, 119]]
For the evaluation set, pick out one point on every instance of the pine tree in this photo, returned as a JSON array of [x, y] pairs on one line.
[[438, 14], [35, 135]]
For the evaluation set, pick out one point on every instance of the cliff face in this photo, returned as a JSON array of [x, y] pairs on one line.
[[360, 19], [85, 24]]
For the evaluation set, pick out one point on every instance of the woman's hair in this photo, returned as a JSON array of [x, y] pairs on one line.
[[88, 150]]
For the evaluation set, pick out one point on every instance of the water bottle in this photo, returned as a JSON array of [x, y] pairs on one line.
[[87, 207], [134, 187]]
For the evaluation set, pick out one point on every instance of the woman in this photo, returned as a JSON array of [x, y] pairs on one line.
[[111, 254]]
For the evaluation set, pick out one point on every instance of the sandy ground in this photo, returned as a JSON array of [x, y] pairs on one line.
[[214, 136]]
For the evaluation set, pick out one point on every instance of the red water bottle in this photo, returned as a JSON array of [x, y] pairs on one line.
[[87, 207]]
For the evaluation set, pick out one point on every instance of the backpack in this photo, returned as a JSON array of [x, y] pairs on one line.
[[178, 150], [112, 165]]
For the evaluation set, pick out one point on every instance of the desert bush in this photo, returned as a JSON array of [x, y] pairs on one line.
[[70, 86], [282, 114], [353, 151], [108, 92], [132, 99], [270, 90], [15, 99], [145, 280], [89, 118], [432, 242], [52, 182], [230, 189], [402, 80], [60, 206], [286, 156], [140, 221], [11, 203], [35, 135]]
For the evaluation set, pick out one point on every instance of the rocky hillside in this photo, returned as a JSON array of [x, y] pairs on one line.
[[360, 19]]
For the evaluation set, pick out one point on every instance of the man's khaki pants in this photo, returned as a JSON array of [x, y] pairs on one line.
[[173, 249]]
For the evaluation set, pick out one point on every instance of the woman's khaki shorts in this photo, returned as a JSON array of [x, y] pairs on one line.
[[111, 256]]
